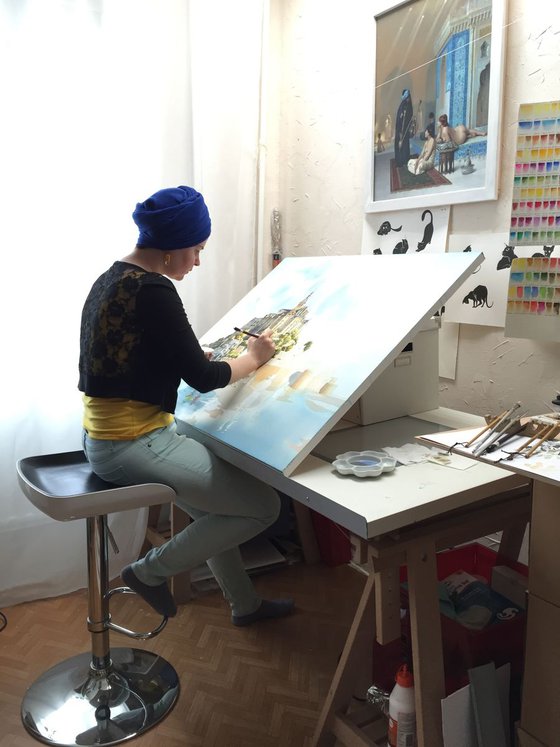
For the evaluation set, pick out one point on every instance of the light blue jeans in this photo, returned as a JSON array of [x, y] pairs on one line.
[[228, 507]]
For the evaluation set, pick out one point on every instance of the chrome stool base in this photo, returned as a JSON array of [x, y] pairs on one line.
[[73, 704]]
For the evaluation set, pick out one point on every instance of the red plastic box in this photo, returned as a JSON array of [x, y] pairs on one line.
[[462, 648], [333, 540]]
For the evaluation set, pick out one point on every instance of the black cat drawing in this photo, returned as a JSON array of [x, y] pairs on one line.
[[547, 252], [469, 249], [386, 228], [401, 247], [428, 231], [478, 296], [508, 255]]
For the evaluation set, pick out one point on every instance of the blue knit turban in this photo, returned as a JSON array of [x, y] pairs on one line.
[[173, 218]]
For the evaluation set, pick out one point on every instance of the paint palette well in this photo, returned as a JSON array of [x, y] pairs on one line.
[[364, 463]]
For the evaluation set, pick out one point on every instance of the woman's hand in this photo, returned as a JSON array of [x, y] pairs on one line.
[[262, 348], [259, 351]]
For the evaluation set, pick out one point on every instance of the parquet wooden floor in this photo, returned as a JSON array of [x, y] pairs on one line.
[[261, 686]]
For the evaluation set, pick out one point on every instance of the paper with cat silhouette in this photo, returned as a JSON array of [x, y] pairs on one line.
[[406, 231], [482, 298], [338, 322]]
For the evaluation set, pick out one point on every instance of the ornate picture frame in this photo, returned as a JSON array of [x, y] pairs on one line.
[[436, 104]]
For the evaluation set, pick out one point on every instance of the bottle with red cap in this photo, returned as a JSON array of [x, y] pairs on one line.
[[402, 711]]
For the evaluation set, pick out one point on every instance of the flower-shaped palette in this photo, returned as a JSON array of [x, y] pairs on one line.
[[364, 463]]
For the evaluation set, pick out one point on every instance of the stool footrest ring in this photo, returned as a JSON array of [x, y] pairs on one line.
[[126, 631]]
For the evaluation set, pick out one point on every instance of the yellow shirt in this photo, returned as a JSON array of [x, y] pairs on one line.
[[116, 419]]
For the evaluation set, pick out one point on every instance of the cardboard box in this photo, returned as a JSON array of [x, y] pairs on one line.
[[511, 584], [408, 385]]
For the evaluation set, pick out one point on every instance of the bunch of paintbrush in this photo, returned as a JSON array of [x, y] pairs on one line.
[[547, 427], [515, 429], [496, 429]]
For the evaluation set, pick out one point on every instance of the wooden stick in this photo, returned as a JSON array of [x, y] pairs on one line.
[[537, 434], [502, 424], [550, 433], [490, 425]]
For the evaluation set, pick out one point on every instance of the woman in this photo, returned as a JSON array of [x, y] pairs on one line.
[[403, 129], [136, 345], [452, 137], [426, 159]]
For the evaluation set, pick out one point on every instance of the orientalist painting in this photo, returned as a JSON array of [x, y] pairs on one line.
[[337, 323], [436, 103]]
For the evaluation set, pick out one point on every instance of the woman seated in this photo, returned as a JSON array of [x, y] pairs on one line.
[[449, 137], [425, 160]]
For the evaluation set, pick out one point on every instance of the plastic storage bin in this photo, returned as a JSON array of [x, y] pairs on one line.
[[333, 540], [462, 648]]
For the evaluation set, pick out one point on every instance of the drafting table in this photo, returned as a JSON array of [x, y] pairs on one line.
[[540, 711], [405, 517], [287, 422]]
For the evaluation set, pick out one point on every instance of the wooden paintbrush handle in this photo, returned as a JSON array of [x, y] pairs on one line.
[[490, 425], [547, 434]]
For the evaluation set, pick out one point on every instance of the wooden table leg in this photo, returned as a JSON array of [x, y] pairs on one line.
[[306, 533], [540, 708], [427, 648], [387, 605], [356, 656]]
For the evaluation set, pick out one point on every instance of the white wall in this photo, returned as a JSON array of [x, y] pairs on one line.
[[322, 106]]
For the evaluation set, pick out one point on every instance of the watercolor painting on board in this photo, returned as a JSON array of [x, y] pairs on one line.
[[337, 323]]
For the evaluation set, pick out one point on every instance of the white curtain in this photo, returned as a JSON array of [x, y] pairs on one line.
[[105, 101]]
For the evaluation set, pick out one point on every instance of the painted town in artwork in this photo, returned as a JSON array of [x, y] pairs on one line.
[[336, 322]]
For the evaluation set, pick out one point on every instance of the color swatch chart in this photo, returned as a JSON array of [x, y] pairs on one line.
[[535, 210], [534, 286], [533, 302]]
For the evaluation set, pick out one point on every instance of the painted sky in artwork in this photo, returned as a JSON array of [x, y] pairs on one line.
[[346, 317]]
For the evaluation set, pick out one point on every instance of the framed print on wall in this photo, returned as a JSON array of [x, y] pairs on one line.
[[435, 126]]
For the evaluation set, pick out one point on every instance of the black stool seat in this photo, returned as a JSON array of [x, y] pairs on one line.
[[64, 487]]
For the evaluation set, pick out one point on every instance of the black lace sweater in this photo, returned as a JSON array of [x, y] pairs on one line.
[[136, 341]]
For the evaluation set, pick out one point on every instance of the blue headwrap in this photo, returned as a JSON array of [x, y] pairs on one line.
[[173, 218]]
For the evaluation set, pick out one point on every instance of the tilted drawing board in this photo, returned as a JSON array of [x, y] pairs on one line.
[[337, 323]]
